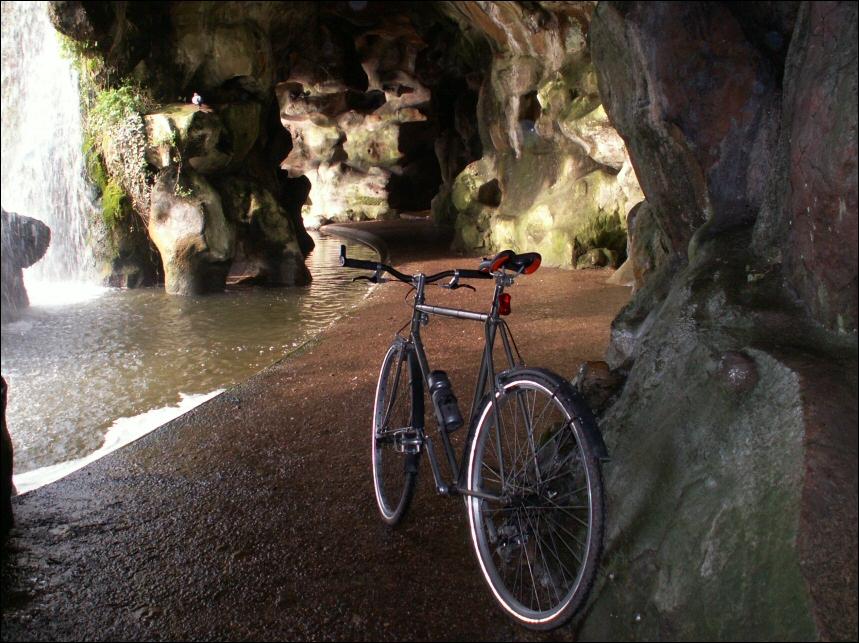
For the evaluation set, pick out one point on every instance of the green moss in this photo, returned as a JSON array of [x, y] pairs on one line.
[[603, 231], [94, 165], [113, 201], [367, 200]]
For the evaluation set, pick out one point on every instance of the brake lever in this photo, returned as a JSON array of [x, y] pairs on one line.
[[455, 286], [376, 279], [454, 283]]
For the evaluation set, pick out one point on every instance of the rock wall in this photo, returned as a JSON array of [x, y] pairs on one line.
[[554, 176], [7, 488], [733, 480]]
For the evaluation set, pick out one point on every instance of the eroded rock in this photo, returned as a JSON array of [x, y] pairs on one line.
[[187, 224], [267, 249], [25, 241], [736, 425], [810, 217], [361, 144], [190, 134], [696, 106], [560, 166]]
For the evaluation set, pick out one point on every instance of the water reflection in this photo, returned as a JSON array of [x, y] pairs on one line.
[[74, 369]]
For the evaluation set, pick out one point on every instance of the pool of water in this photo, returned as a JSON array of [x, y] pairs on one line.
[[92, 374]]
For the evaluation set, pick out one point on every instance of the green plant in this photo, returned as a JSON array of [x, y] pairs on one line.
[[112, 106], [181, 190], [83, 54]]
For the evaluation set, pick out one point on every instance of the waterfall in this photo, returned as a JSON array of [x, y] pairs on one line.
[[42, 161]]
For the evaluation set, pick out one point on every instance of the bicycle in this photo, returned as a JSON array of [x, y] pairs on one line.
[[529, 471]]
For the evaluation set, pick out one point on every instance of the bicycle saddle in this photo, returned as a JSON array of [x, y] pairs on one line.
[[526, 263]]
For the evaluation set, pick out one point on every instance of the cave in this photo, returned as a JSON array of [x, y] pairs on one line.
[[707, 151]]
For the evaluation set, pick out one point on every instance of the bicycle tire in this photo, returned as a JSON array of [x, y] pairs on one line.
[[398, 414], [539, 548]]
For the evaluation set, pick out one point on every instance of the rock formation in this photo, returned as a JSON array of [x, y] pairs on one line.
[[561, 175], [25, 241], [382, 109], [188, 225], [733, 478]]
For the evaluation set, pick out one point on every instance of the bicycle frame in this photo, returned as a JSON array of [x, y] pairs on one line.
[[493, 326]]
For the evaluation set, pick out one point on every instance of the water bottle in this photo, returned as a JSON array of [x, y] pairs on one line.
[[446, 409]]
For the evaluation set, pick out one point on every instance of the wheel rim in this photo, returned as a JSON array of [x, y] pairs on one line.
[[534, 546], [391, 474]]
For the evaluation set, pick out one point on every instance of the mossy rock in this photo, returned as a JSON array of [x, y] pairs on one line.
[[467, 185], [194, 238], [378, 146], [187, 134]]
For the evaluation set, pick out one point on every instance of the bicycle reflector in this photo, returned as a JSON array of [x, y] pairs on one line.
[[504, 304]]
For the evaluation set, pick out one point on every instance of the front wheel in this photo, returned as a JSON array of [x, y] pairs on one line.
[[398, 415], [537, 525]]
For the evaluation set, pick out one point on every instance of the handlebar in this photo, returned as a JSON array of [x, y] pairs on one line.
[[381, 267]]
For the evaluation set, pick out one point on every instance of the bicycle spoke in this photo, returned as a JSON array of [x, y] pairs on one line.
[[393, 394], [539, 549], [555, 553], [556, 526], [530, 569]]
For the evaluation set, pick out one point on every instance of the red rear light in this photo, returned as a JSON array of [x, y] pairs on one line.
[[504, 304]]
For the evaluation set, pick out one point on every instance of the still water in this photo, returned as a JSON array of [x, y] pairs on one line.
[[85, 377]]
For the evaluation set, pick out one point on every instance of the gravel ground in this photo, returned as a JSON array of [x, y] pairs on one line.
[[252, 517]]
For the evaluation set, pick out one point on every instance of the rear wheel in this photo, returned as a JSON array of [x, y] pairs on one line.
[[539, 543], [398, 417]]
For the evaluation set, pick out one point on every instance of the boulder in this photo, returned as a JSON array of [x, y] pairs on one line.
[[194, 238], [733, 466], [25, 241]]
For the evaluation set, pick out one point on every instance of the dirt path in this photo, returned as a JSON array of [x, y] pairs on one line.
[[252, 517]]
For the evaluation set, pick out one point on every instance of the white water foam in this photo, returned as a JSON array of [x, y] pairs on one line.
[[61, 293], [123, 431]]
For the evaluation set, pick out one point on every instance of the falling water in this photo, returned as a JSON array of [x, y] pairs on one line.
[[42, 161]]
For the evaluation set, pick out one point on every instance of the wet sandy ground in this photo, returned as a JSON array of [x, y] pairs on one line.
[[252, 517]]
